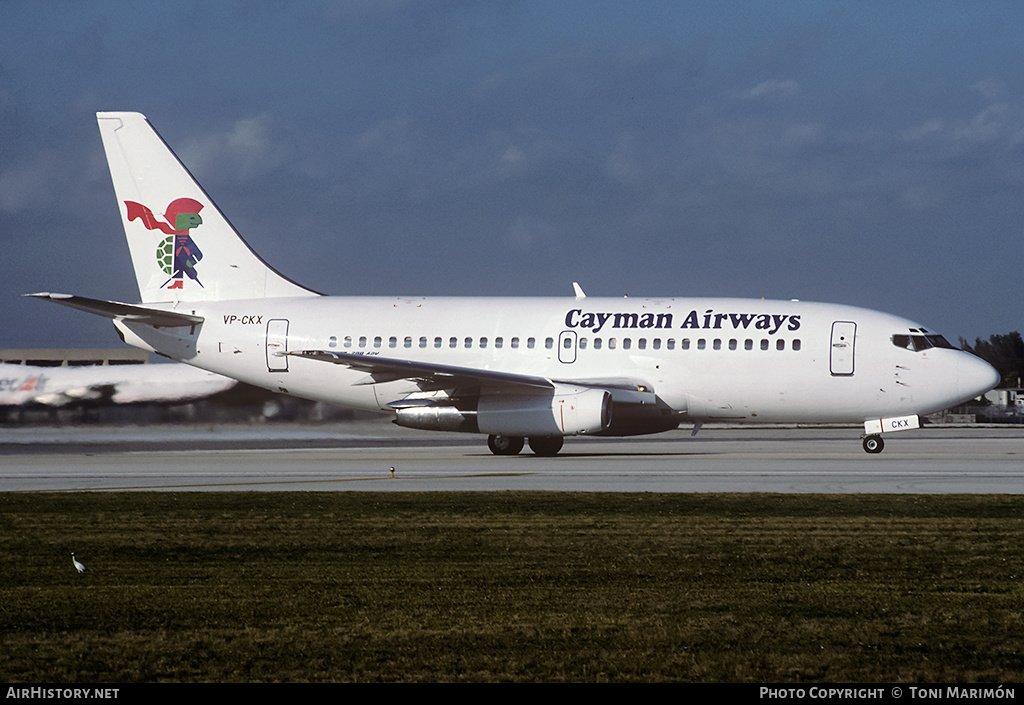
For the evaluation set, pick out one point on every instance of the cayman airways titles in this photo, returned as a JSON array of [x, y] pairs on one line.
[[770, 323]]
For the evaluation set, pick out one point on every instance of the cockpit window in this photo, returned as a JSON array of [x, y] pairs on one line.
[[940, 342], [902, 341], [917, 343]]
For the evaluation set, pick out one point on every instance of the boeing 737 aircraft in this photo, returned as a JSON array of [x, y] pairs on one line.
[[511, 368]]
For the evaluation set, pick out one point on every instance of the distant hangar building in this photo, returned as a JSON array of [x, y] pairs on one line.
[[73, 357]]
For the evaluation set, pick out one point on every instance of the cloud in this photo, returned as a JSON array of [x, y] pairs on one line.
[[989, 88], [995, 123], [622, 165], [987, 126], [247, 149], [785, 88], [528, 231], [391, 136], [928, 128], [803, 134], [30, 184]]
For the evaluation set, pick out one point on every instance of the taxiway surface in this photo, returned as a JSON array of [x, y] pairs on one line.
[[359, 456]]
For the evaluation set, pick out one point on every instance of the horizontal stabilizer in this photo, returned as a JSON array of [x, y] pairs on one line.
[[123, 312]]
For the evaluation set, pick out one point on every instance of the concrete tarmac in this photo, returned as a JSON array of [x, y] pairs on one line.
[[359, 456]]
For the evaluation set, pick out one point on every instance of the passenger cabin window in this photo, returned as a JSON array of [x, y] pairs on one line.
[[915, 342]]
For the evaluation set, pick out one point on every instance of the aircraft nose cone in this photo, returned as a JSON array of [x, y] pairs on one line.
[[975, 377]]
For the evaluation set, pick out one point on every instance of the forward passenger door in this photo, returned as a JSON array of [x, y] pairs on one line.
[[841, 358]]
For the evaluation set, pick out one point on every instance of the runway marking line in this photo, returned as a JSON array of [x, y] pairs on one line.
[[279, 482]]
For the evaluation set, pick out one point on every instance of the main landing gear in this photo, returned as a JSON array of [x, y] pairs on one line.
[[873, 444], [511, 445]]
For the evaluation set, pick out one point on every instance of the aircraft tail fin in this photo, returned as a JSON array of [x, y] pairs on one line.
[[182, 246]]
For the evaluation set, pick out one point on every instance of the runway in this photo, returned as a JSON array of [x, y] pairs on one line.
[[359, 457]]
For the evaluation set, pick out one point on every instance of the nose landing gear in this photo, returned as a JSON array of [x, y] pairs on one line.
[[873, 444]]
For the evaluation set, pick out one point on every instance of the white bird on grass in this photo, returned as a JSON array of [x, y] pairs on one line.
[[79, 566]]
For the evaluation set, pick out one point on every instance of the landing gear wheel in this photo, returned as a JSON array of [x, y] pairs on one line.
[[505, 445], [873, 444], [546, 445]]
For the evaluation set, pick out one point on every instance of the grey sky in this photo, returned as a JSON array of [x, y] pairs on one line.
[[870, 154]]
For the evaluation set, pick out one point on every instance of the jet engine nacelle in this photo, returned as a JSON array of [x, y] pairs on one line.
[[566, 412], [561, 414]]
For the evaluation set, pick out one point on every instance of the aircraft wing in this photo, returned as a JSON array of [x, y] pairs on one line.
[[123, 312], [434, 377], [429, 376]]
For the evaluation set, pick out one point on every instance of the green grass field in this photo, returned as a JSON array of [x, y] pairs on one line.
[[354, 587]]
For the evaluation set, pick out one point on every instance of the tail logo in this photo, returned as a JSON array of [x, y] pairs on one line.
[[177, 254]]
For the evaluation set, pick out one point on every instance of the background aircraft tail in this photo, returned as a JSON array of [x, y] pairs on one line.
[[182, 246]]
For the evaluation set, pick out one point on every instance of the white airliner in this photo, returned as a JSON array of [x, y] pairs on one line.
[[29, 385], [511, 368]]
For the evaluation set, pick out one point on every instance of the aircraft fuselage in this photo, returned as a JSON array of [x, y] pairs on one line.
[[707, 359]]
